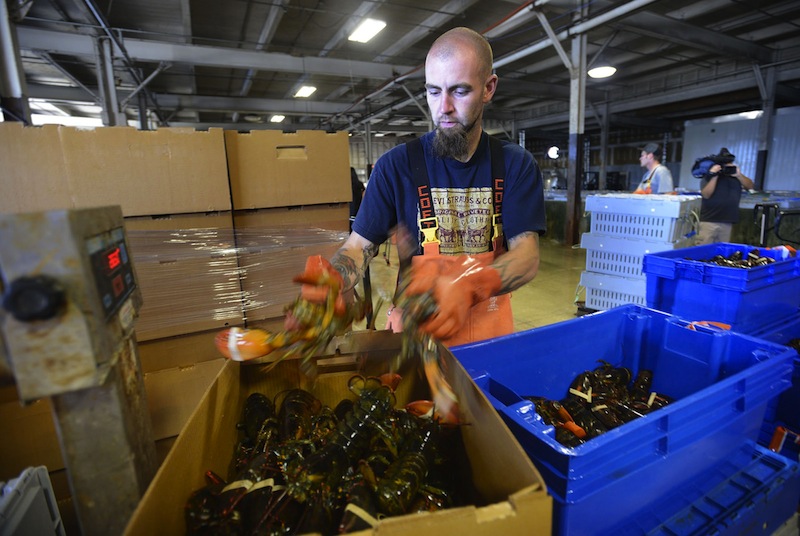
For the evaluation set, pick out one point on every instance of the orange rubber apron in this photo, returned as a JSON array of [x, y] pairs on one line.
[[488, 319]]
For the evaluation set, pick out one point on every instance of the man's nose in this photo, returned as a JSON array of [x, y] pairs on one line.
[[445, 104]]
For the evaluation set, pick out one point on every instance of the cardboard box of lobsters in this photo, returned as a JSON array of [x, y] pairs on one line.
[[344, 447]]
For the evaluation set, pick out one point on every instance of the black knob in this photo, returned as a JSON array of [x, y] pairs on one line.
[[34, 298]]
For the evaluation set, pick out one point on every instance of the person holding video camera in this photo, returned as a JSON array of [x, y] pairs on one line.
[[721, 184]]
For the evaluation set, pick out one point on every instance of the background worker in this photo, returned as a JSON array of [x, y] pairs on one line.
[[721, 187], [453, 178], [657, 177]]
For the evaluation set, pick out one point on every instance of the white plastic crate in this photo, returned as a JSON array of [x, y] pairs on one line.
[[622, 256], [658, 218], [605, 291], [28, 505]]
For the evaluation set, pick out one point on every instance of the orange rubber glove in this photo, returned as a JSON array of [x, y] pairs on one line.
[[457, 286]]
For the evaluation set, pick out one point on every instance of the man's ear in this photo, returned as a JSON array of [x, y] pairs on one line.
[[489, 88]]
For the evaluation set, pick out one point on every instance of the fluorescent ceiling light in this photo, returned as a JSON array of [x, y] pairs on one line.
[[44, 106], [604, 71], [39, 119], [277, 118], [368, 29], [305, 91]]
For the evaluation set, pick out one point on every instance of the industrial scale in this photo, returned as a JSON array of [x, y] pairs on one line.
[[69, 303]]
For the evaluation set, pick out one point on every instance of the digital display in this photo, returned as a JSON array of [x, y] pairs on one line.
[[112, 270], [113, 259]]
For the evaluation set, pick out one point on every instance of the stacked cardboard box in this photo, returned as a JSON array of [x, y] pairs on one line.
[[192, 251], [291, 194]]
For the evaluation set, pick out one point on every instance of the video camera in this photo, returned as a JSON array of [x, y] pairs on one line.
[[701, 167]]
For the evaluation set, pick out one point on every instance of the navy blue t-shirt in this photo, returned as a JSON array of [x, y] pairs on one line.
[[462, 197], [723, 205]]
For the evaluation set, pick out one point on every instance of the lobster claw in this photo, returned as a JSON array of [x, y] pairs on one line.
[[241, 344], [319, 279], [390, 380]]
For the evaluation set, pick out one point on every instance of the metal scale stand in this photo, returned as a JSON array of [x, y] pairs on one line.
[[66, 326]]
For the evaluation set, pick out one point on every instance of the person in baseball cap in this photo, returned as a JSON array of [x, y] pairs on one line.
[[657, 178]]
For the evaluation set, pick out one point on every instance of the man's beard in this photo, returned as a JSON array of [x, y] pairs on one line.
[[452, 142]]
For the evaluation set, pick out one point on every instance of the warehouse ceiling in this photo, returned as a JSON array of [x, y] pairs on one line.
[[236, 63]]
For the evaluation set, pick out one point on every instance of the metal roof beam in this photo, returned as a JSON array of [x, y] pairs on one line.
[[208, 56], [199, 102], [690, 35]]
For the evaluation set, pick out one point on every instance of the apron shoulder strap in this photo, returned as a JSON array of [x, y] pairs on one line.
[[498, 187], [419, 173], [427, 216]]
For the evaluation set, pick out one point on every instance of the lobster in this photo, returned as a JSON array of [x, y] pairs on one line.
[[416, 309], [260, 429], [406, 476], [310, 324], [321, 471]]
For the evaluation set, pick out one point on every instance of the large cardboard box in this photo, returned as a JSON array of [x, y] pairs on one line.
[[29, 435], [164, 171], [513, 497], [273, 246], [188, 271], [173, 394], [269, 168], [177, 371]]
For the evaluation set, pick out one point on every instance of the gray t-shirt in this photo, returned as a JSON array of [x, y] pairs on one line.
[[659, 180]]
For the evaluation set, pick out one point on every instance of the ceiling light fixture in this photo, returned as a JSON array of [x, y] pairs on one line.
[[552, 152], [305, 91], [277, 118], [603, 71], [368, 29]]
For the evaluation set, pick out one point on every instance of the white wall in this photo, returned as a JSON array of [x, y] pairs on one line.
[[739, 133]]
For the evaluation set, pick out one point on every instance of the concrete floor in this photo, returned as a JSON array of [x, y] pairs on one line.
[[549, 298]]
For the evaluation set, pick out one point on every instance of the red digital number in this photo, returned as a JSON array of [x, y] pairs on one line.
[[113, 259]]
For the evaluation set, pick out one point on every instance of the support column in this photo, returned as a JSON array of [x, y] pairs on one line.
[[577, 111], [107, 83], [12, 78], [767, 88]]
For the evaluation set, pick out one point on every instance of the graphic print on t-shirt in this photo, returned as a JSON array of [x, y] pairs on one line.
[[464, 217]]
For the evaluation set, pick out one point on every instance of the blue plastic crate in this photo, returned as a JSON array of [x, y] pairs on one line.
[[755, 491], [786, 410], [721, 381], [747, 299]]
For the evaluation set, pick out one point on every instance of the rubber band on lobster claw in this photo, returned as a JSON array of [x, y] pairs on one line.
[[709, 323], [243, 344]]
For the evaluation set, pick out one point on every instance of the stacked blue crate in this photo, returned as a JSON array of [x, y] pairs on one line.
[[721, 382], [624, 228], [763, 302]]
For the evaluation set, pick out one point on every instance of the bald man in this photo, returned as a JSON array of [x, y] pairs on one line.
[[472, 205]]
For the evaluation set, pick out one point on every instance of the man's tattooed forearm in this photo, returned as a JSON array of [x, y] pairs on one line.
[[351, 272], [347, 267], [369, 253]]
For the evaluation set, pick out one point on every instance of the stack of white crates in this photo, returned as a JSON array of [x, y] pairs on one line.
[[624, 228]]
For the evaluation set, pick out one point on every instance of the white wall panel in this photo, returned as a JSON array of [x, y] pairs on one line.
[[702, 137], [739, 133], [783, 161]]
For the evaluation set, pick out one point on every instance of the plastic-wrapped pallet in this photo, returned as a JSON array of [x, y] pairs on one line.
[[624, 228]]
